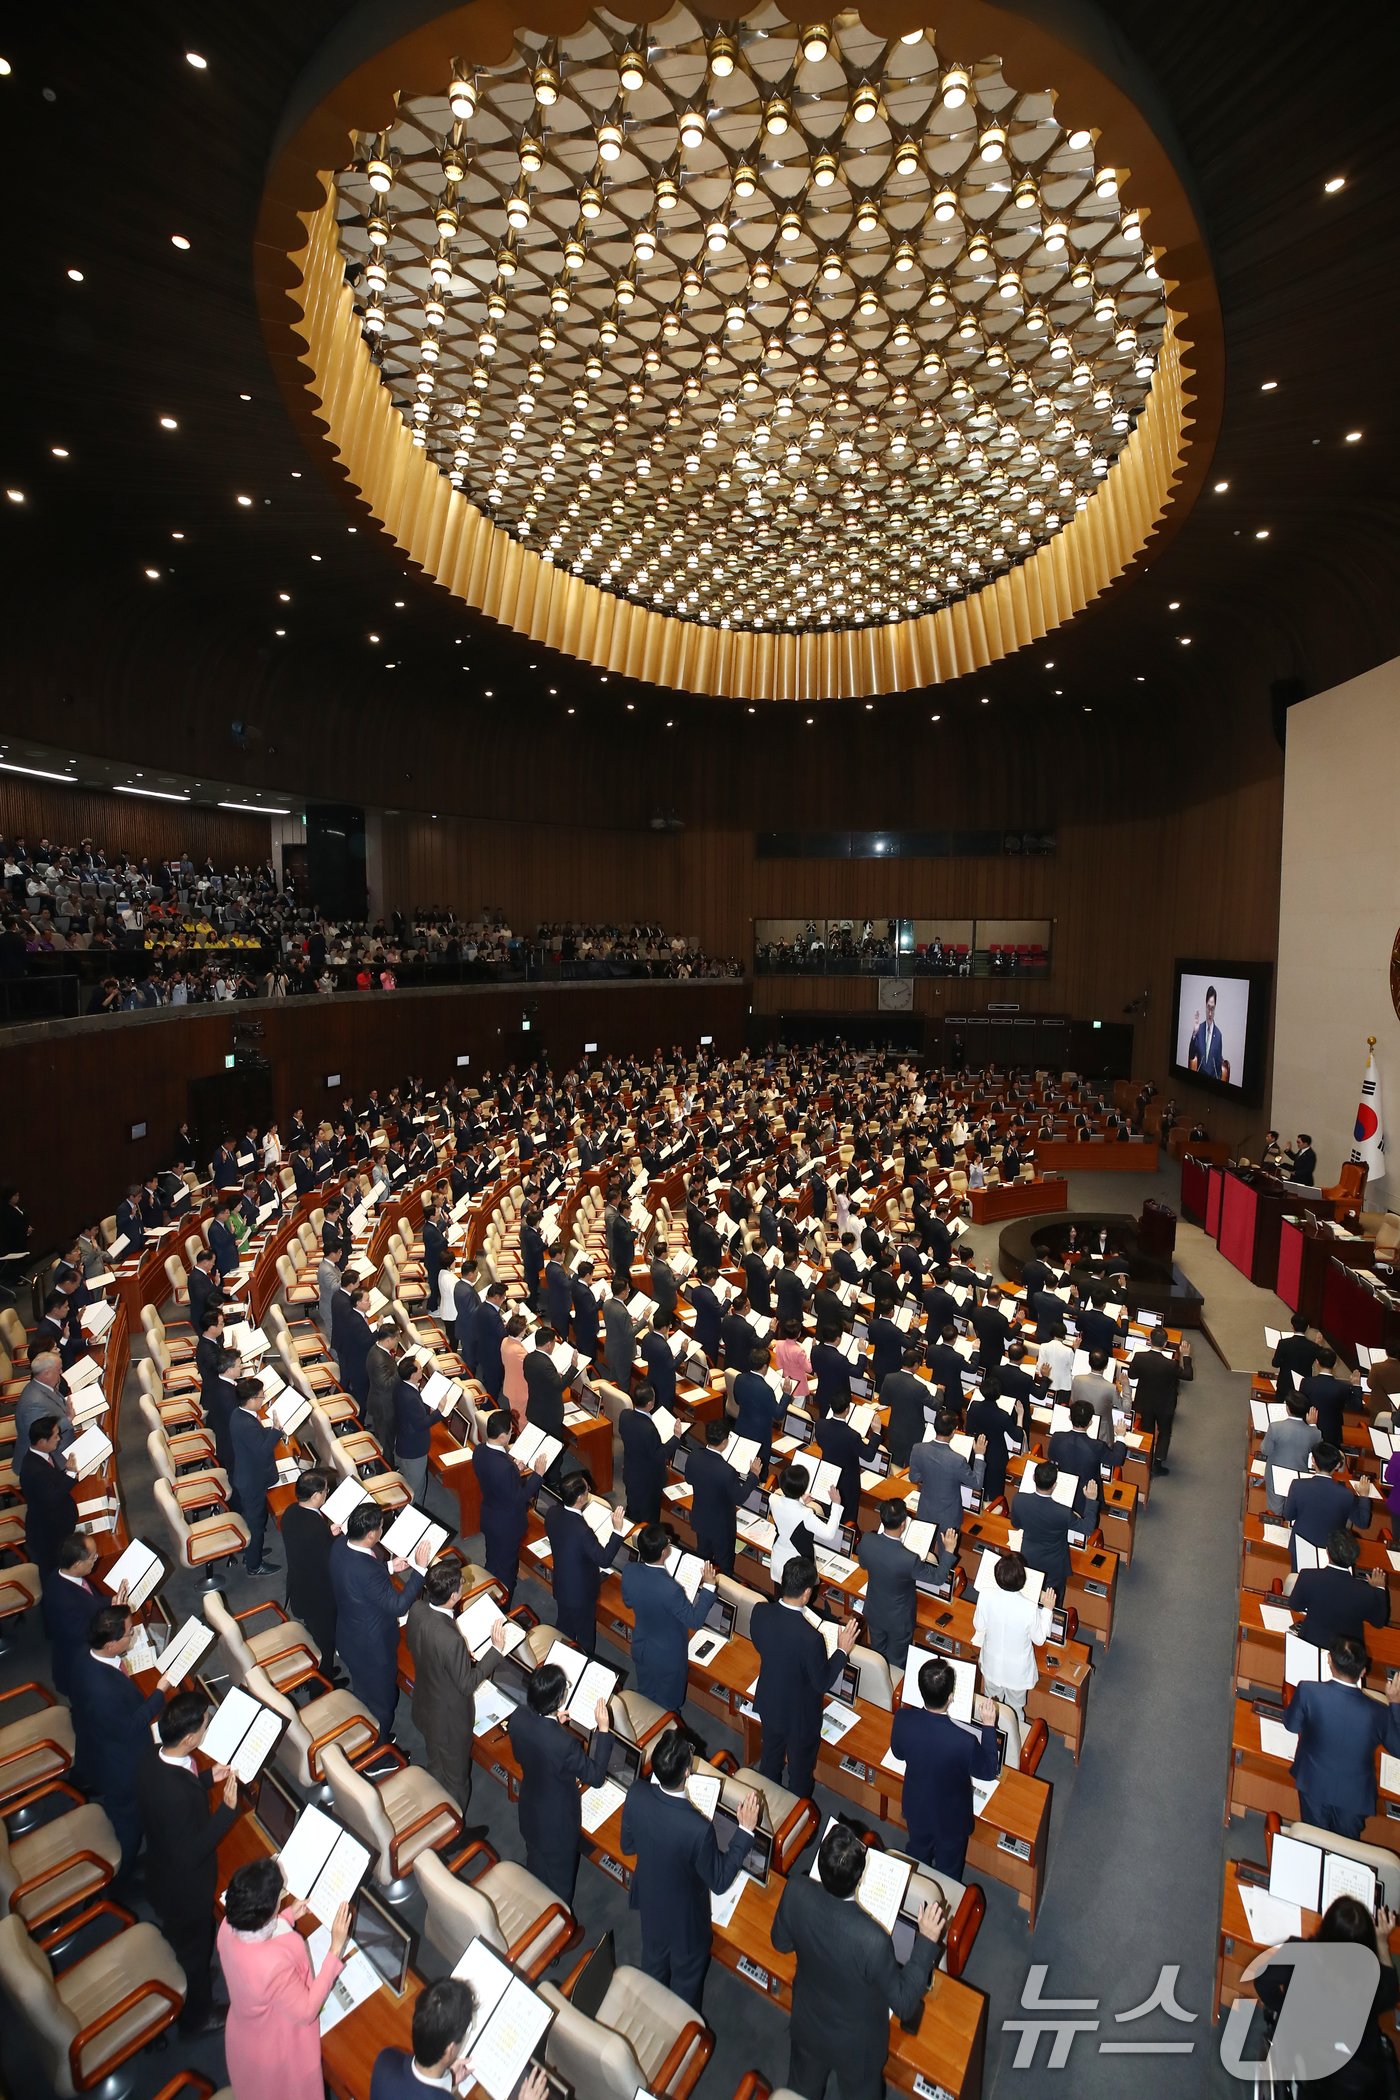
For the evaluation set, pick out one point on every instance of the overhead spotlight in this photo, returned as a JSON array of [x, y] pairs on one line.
[[692, 130], [461, 94], [776, 116], [545, 82], [631, 71], [531, 155], [1106, 183], [865, 103], [955, 87], [992, 144], [379, 173], [609, 141], [816, 42], [824, 171], [722, 55]]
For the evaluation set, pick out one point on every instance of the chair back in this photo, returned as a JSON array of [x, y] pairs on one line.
[[286, 1272], [876, 1677], [152, 1323], [150, 1414], [598, 2063], [148, 1378], [240, 1656], [158, 1451], [456, 1912], [26, 1978], [742, 1598], [12, 1330], [359, 1808]]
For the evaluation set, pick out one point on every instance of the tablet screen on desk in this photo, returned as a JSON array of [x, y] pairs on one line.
[[512, 1675], [721, 1618], [385, 1943], [759, 1859], [276, 1809], [624, 1761]]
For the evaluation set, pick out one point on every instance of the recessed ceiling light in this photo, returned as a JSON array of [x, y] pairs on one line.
[[810, 720], [59, 451], [1185, 640], [1262, 533], [1059, 692], [869, 706], [1141, 679], [1333, 184], [179, 240], [279, 630], [177, 535], [569, 710], [156, 794], [986, 699], [1269, 386], [398, 607], [76, 276], [630, 708], [315, 557], [15, 495], [1220, 487], [296, 473], [258, 809], [154, 575], [935, 718], [5, 69], [1051, 665], [753, 710], [284, 597], [374, 637], [670, 725], [245, 397], [489, 693], [553, 692], [246, 502], [36, 772], [1353, 437], [1173, 605], [168, 423], [604, 679], [201, 65]]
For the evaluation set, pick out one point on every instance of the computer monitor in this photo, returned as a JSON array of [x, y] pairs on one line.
[[680, 1459], [276, 1808], [385, 1943], [1059, 1626], [756, 1500], [759, 1860], [721, 1617]]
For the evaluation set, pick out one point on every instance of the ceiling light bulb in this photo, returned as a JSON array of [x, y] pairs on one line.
[[831, 266], [609, 141], [867, 215], [517, 212], [380, 174], [824, 171], [816, 42], [1106, 183], [1027, 194], [1130, 227], [545, 82], [722, 53], [607, 330], [531, 155], [954, 87], [624, 291], [735, 318], [992, 144], [631, 71], [904, 257], [574, 251], [1055, 236], [590, 200], [979, 247], [761, 275], [376, 276], [445, 219], [377, 227], [505, 263], [776, 116], [373, 322], [644, 243], [454, 164], [865, 103], [667, 193], [906, 157], [945, 206], [1078, 140], [1009, 283], [692, 130], [461, 95]]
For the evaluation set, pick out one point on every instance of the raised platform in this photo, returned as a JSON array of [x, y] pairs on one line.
[[1153, 1286], [1016, 1199]]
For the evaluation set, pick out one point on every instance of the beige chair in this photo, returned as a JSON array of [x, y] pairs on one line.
[[336, 1717], [964, 1902], [177, 1276], [504, 1905], [1384, 1227], [405, 1814], [201, 1546], [178, 1412], [643, 2036], [792, 1820], [308, 1344], [59, 1864], [743, 1600], [877, 1679], [91, 2018], [198, 1494], [179, 1347], [284, 1651], [34, 1748], [187, 1447], [293, 1289], [20, 1585]]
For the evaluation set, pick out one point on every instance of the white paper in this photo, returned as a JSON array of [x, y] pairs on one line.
[[185, 1649], [1276, 1618], [140, 1568], [1271, 1922], [1275, 1740], [597, 1803], [343, 1501], [322, 1864], [595, 1681], [1295, 1871], [703, 1790], [240, 1733], [407, 1532], [89, 1452]]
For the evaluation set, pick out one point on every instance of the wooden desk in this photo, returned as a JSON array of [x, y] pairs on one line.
[[948, 2050], [1095, 1156], [1017, 1199], [1259, 1653]]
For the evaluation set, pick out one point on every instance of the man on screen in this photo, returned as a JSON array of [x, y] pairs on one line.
[[1204, 1055]]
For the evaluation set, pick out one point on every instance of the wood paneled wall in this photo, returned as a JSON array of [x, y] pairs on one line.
[[73, 1091], [36, 809]]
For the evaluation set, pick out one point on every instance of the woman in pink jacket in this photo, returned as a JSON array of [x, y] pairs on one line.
[[272, 2043], [514, 1350]]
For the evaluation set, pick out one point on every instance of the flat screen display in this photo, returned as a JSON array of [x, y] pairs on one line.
[[1220, 1015]]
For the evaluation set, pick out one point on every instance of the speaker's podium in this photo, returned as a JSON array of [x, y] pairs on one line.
[[1253, 1205]]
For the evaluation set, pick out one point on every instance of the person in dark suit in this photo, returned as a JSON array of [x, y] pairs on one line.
[[531, 1256], [220, 1236], [254, 1447], [506, 1495], [1205, 1051], [891, 1606], [986, 1417], [848, 1981], [644, 1457], [442, 2019], [558, 1295], [112, 1725], [203, 1288], [737, 1337], [1301, 1162], [68, 1602], [579, 1561], [839, 1443], [887, 1340], [413, 1429], [1336, 1603], [831, 1371], [758, 1410], [906, 1395], [717, 1491], [794, 1676], [435, 1252], [350, 1339], [1316, 1505], [306, 1541], [553, 1766], [490, 1333], [182, 1842], [1296, 1356], [992, 1328], [941, 1760], [1339, 1729], [466, 1309], [790, 1293], [1159, 1380], [663, 1619], [368, 1608], [381, 1384], [1046, 1525], [1078, 1451], [544, 1388], [584, 1312], [445, 1681], [1331, 1396], [679, 1866], [659, 1360], [843, 1261], [50, 1511]]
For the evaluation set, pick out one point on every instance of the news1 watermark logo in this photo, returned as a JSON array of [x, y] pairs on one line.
[[1326, 2005]]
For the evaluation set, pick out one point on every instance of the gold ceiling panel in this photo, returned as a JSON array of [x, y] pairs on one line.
[[854, 405]]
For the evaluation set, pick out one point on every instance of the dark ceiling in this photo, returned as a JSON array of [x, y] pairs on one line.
[[116, 143]]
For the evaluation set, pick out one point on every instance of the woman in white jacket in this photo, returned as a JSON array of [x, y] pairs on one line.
[[1009, 1625], [793, 1508]]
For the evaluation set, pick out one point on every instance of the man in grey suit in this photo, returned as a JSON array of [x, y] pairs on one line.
[[327, 1283], [1288, 1443], [445, 1680], [619, 1336], [940, 1473], [41, 1396], [1099, 1390], [891, 1606], [664, 1286], [848, 1981]]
